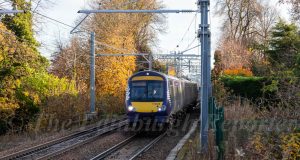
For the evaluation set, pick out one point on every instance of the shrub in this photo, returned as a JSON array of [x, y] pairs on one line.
[[248, 87], [42, 85], [291, 145], [61, 112], [33, 94], [238, 72], [275, 145], [49, 94]]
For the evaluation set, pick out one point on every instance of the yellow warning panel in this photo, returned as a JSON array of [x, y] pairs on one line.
[[146, 107], [154, 78]]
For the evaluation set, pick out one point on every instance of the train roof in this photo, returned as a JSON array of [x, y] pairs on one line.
[[161, 74]]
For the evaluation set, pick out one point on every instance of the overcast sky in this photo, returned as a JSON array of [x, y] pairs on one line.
[[177, 25]]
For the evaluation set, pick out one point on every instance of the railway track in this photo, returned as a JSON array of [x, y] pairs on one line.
[[124, 144], [61, 145]]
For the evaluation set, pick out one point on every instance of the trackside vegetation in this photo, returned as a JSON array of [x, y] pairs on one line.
[[37, 94], [248, 87], [264, 88]]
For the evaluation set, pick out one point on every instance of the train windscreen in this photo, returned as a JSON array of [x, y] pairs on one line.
[[147, 91]]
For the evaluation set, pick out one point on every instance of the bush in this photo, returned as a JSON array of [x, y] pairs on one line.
[[61, 112], [248, 87], [291, 145], [33, 94], [238, 72], [42, 85], [275, 145]]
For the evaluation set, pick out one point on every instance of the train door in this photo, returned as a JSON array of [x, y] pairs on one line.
[[171, 91]]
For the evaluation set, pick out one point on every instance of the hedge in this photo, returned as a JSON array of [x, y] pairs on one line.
[[248, 87]]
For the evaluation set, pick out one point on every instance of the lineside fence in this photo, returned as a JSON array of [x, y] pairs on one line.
[[216, 122]]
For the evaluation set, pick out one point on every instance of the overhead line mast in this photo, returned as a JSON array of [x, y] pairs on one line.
[[206, 93]]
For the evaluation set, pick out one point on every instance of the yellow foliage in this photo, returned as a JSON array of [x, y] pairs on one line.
[[115, 34], [112, 73], [277, 145], [257, 143], [172, 71], [238, 72], [291, 146]]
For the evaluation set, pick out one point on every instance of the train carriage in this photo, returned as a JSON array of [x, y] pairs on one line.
[[156, 96]]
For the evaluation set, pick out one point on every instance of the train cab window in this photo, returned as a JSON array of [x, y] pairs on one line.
[[155, 90], [139, 90], [147, 91]]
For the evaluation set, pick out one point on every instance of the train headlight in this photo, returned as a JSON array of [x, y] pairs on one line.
[[131, 108], [162, 108]]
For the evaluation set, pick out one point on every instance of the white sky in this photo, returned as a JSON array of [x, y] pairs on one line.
[[177, 24]]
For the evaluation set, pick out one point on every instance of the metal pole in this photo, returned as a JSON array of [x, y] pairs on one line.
[[189, 66], [4, 11], [167, 68], [180, 67], [204, 35], [92, 76], [175, 63], [150, 62]]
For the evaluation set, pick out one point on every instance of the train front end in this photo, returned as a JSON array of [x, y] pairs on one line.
[[146, 98]]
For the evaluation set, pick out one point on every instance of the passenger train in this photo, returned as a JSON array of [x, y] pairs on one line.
[[158, 97]]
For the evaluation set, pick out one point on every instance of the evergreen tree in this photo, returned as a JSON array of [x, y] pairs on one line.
[[284, 46], [21, 24]]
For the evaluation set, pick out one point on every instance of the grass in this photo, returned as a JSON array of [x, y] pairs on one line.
[[239, 109], [191, 150], [235, 110]]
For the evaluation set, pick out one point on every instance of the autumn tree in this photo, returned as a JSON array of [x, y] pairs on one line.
[[240, 17], [135, 36], [247, 30], [25, 84], [21, 24], [19, 58], [115, 33], [72, 61]]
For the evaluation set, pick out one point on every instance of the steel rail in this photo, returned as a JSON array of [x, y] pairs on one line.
[[114, 148], [120, 145], [70, 147], [46, 145], [147, 147]]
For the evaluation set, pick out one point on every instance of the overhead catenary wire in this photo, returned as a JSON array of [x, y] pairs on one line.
[[187, 30], [54, 20], [106, 45], [70, 26], [37, 5], [190, 44], [87, 15], [62, 23]]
